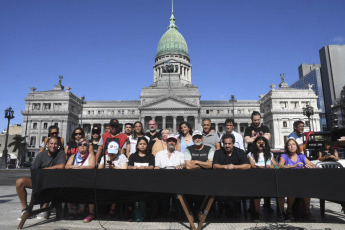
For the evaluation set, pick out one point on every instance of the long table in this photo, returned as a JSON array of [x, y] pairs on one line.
[[123, 185]]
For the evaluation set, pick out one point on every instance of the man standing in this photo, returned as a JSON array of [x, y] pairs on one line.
[[210, 138], [170, 158], [128, 129], [198, 155], [251, 132], [297, 134], [53, 158], [229, 127], [113, 135], [256, 129], [230, 157], [153, 134]]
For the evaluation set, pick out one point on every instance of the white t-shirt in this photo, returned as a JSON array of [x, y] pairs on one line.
[[162, 160], [133, 142], [261, 159], [119, 160]]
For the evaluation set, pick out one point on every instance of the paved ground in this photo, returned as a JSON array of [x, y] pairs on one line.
[[10, 209]]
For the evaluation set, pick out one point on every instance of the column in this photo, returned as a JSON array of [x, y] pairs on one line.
[[164, 122], [185, 118], [174, 124], [153, 118], [102, 128], [195, 123], [238, 127], [217, 128]]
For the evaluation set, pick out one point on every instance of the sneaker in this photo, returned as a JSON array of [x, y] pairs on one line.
[[42, 215], [89, 218], [21, 214]]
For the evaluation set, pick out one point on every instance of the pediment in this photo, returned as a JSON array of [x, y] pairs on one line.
[[169, 102]]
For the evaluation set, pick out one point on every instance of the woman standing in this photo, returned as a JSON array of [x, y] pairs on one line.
[[133, 139], [185, 131], [328, 153], [53, 131], [82, 160], [72, 145], [162, 144], [293, 159], [260, 157]]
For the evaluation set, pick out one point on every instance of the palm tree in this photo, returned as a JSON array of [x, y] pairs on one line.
[[19, 144]]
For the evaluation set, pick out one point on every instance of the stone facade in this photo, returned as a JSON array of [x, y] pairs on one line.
[[170, 99]]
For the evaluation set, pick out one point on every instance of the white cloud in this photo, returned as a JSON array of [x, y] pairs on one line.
[[338, 40]]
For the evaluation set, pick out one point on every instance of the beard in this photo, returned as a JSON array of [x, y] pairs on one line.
[[171, 148], [152, 129], [197, 143]]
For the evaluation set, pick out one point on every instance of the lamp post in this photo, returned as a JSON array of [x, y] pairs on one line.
[[233, 105], [81, 114], [308, 111], [9, 115]]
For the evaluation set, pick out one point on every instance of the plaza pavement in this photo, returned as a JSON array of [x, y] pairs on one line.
[[10, 209]]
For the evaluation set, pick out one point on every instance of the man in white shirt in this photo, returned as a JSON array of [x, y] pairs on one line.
[[229, 127], [170, 158]]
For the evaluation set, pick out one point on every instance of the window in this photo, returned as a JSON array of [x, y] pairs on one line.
[[45, 125], [33, 154], [119, 112], [56, 124], [33, 141], [34, 126], [123, 112], [207, 111], [284, 124], [307, 123], [242, 129]]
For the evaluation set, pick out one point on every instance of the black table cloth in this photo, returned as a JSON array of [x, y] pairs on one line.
[[123, 185]]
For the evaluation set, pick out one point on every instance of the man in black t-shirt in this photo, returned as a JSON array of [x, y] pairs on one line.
[[256, 129], [198, 155], [229, 156], [153, 134]]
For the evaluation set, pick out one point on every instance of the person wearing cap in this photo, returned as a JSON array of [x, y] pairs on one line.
[[198, 155], [170, 158], [210, 138], [96, 135], [113, 135], [114, 160], [229, 156], [162, 144]]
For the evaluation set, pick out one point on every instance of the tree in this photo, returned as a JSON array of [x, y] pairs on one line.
[[19, 144]]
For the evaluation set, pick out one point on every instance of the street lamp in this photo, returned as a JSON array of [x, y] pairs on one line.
[[308, 111], [233, 105], [81, 114], [9, 115]]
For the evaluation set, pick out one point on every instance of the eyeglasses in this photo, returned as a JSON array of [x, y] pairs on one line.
[[54, 133], [82, 144], [76, 134]]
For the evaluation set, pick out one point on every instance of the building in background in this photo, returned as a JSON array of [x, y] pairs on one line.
[[332, 60], [338, 111], [311, 75], [170, 99]]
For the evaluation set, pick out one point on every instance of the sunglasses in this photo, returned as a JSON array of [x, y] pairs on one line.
[[76, 134], [54, 133], [82, 144], [197, 137]]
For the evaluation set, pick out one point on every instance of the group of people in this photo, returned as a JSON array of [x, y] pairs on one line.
[[189, 149]]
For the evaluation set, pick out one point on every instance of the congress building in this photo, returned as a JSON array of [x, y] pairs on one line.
[[170, 99]]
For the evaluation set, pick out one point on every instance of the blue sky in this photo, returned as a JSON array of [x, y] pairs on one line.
[[105, 49]]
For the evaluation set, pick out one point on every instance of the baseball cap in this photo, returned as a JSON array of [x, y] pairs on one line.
[[113, 147], [96, 130], [172, 136], [197, 133], [114, 122]]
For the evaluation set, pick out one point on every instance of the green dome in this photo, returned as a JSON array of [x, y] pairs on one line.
[[172, 41]]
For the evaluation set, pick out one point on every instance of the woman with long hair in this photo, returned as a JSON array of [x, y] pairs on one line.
[[53, 131], [133, 139], [328, 153], [292, 159], [72, 146], [260, 157], [185, 137], [142, 158]]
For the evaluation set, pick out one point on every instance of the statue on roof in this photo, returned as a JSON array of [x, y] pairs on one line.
[[282, 77]]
